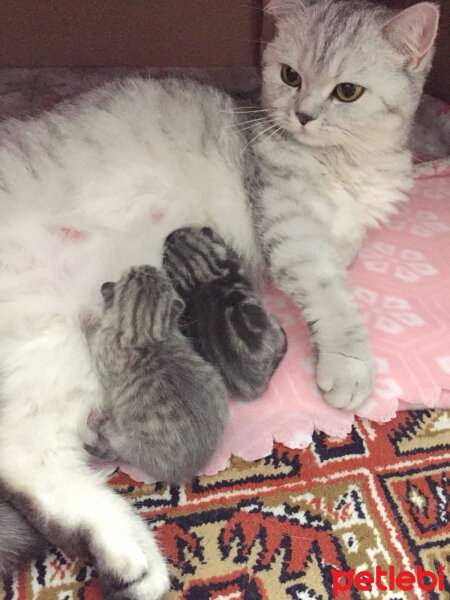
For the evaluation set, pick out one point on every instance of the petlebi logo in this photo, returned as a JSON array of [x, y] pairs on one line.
[[388, 580]]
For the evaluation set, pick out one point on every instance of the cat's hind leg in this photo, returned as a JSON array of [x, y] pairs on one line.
[[48, 390]]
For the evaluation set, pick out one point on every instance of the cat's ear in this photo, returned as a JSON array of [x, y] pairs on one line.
[[283, 8], [177, 310], [107, 291], [208, 232], [413, 31]]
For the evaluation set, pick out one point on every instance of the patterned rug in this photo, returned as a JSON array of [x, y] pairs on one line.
[[275, 529]]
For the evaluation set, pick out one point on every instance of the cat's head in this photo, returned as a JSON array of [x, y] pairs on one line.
[[196, 255], [143, 306], [347, 73]]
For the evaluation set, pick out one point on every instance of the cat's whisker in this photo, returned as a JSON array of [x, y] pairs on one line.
[[252, 141], [250, 124], [274, 135], [364, 142], [238, 111], [246, 128], [257, 120], [244, 106], [365, 145]]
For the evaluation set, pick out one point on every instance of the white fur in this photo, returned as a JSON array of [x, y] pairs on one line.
[[113, 194], [125, 166], [350, 167]]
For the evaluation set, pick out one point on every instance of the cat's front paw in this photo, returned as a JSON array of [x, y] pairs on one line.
[[144, 575], [154, 585], [346, 381]]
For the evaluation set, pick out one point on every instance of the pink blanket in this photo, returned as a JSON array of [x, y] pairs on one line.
[[401, 281]]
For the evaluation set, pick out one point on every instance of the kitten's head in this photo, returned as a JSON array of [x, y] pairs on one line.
[[347, 72], [194, 255], [142, 306]]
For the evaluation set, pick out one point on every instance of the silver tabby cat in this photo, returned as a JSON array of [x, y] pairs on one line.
[[324, 159], [223, 317], [165, 407]]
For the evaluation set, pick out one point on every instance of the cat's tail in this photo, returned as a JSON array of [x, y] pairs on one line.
[[19, 541]]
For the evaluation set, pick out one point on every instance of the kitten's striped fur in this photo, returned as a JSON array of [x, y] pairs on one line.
[[223, 317], [165, 407]]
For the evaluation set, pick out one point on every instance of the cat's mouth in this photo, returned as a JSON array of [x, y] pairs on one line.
[[289, 124], [311, 134], [308, 137]]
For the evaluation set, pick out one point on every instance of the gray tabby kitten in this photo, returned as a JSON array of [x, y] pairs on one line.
[[223, 317], [165, 407]]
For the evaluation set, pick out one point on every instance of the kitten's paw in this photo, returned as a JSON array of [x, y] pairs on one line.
[[346, 381]]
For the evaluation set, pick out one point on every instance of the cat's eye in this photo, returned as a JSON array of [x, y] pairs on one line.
[[348, 92], [291, 77]]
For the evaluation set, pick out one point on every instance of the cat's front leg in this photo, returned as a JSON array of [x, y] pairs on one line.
[[74, 509], [305, 264], [48, 391]]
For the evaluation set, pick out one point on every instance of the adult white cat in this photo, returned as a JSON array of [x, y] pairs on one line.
[[92, 188]]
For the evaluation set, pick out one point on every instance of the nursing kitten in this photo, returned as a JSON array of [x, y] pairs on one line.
[[223, 317], [302, 177], [165, 407]]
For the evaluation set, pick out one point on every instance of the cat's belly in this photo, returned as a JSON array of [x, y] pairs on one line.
[[71, 253], [114, 184]]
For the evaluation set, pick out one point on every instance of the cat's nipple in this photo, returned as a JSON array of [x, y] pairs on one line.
[[70, 233], [157, 216]]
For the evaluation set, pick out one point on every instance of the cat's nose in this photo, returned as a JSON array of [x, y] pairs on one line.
[[304, 118]]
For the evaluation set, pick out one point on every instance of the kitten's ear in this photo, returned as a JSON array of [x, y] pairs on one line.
[[283, 8], [413, 31], [177, 309], [208, 232], [107, 291]]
